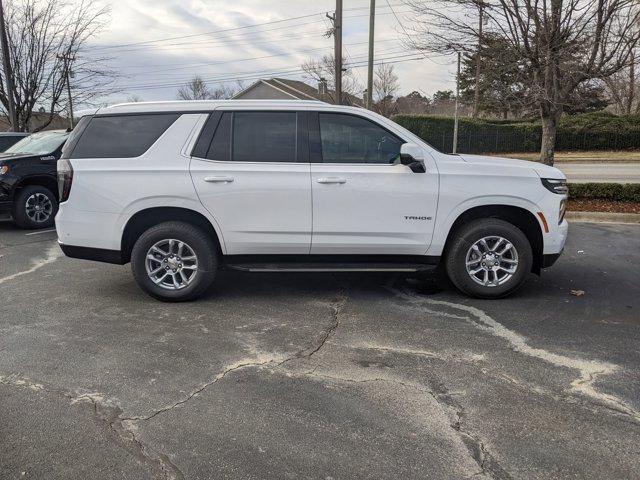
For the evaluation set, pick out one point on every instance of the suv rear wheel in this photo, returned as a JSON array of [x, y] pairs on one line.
[[489, 258], [35, 206], [174, 261]]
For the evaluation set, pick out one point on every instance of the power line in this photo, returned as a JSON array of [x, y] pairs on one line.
[[226, 40], [261, 74], [186, 77], [223, 62], [180, 37], [174, 67], [217, 32]]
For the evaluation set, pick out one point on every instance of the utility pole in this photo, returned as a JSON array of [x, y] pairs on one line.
[[476, 93], [67, 59], [455, 121], [337, 32], [8, 72], [372, 27]]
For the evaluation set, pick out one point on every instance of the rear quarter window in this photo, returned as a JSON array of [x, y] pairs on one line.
[[121, 136]]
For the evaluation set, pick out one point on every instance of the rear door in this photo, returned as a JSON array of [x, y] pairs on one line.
[[364, 203], [251, 171]]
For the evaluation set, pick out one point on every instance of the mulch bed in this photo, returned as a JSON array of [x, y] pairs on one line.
[[600, 205]]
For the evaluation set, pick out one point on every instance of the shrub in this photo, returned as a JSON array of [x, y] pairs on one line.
[[628, 192]]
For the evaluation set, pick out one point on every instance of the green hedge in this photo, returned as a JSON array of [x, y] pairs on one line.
[[628, 192], [589, 131]]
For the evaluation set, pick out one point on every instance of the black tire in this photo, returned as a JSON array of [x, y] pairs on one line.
[[463, 240], [203, 247], [37, 195]]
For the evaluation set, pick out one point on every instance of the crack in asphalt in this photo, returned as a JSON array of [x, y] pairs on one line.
[[53, 253], [589, 370], [274, 360], [122, 427], [111, 416], [487, 464]]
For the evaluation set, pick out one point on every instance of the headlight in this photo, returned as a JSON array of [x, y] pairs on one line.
[[556, 185], [4, 170]]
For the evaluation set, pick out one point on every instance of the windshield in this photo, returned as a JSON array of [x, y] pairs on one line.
[[41, 143]]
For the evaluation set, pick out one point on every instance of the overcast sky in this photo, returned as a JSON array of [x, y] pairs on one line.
[[222, 40]]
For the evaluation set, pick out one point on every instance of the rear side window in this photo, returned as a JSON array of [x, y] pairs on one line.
[[264, 136], [121, 136]]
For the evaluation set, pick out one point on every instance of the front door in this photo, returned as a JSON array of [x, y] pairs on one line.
[[364, 203], [253, 177]]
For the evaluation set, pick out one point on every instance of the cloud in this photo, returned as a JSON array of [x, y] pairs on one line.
[[210, 38]]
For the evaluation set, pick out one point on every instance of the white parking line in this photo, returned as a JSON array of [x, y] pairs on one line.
[[40, 231]]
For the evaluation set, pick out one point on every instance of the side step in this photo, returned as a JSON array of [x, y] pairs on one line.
[[330, 267]]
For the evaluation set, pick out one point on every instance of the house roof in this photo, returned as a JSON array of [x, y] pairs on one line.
[[302, 91]]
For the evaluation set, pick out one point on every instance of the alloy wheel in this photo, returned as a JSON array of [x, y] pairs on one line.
[[171, 264], [39, 208], [492, 261]]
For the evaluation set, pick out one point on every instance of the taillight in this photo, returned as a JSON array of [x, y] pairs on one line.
[[65, 178]]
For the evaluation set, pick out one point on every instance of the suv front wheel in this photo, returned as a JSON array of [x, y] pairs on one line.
[[489, 258], [35, 206], [174, 261]]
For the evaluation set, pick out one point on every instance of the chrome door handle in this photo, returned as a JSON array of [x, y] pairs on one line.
[[331, 180], [218, 179]]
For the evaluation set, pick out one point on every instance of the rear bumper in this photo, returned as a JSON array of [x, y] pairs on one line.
[[95, 254]]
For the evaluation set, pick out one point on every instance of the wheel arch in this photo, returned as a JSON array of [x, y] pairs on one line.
[[47, 181], [522, 218], [148, 217]]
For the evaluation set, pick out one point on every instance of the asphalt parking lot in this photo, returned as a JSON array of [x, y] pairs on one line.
[[320, 376]]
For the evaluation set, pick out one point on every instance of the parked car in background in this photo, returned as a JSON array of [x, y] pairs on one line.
[[8, 139], [180, 189], [28, 185]]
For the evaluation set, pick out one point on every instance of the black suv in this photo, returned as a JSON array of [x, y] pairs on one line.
[[28, 184]]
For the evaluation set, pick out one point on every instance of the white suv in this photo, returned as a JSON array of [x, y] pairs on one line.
[[181, 189]]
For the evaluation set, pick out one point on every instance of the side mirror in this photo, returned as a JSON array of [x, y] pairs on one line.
[[411, 155]]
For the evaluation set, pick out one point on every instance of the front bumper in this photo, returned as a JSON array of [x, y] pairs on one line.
[[555, 240], [5, 207], [550, 259]]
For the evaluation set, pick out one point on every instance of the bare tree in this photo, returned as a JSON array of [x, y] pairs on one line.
[[323, 69], [197, 89], [623, 89], [39, 34], [563, 43], [134, 99], [385, 88]]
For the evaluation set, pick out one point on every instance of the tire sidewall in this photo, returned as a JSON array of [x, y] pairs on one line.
[[199, 241], [19, 207], [470, 234]]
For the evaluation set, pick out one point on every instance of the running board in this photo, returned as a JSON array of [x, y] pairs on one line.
[[329, 267]]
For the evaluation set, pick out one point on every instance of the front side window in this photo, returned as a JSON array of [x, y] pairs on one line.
[[121, 136], [352, 139], [264, 136]]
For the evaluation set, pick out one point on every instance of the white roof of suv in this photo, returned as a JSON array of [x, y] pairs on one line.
[[200, 105]]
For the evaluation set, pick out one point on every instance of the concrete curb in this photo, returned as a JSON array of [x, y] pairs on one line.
[[603, 217]]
